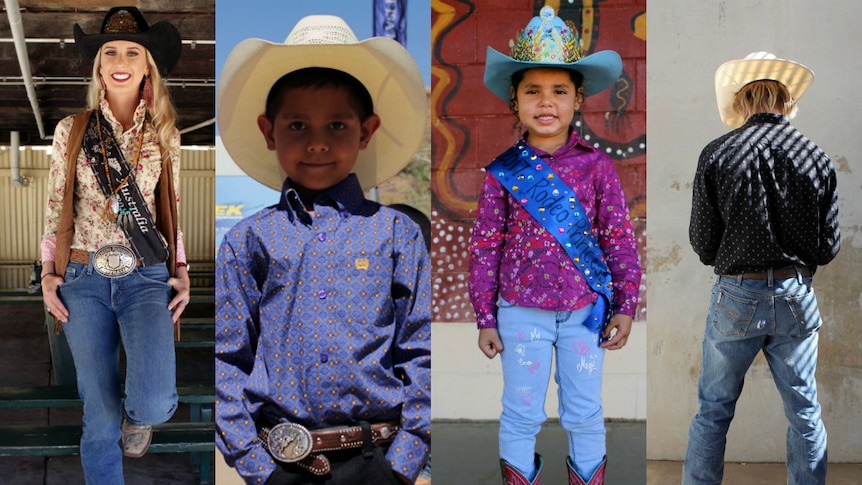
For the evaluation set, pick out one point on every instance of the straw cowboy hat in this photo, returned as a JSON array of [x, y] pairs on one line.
[[382, 65], [547, 41], [126, 23], [731, 76]]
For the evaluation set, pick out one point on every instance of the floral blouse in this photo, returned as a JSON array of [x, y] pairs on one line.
[[92, 231]]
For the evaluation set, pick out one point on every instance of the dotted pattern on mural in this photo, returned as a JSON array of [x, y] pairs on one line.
[[449, 253]]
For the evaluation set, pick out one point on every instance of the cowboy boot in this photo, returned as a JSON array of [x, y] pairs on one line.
[[598, 477], [511, 475]]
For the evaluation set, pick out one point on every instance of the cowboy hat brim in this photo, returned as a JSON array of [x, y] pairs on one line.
[[382, 65], [731, 76], [600, 71], [162, 39]]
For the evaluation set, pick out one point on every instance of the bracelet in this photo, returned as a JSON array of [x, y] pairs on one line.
[[183, 264], [47, 274]]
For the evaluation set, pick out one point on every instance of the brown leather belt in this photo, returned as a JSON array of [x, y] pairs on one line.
[[83, 257], [777, 274], [293, 443]]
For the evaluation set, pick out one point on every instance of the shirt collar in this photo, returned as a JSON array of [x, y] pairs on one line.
[[346, 196], [138, 118], [774, 118], [573, 141]]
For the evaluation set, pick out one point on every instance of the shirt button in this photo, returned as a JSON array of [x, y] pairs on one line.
[[321, 294], [324, 358], [321, 236]]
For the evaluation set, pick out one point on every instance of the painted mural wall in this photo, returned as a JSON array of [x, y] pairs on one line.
[[470, 126]]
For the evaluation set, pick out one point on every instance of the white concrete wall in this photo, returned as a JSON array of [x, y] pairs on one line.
[[687, 41]]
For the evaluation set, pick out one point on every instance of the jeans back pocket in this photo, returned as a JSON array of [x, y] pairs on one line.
[[805, 313], [732, 314]]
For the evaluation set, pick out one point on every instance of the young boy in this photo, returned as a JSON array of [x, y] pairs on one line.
[[323, 300]]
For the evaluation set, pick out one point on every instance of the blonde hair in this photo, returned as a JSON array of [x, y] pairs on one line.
[[162, 115], [764, 96]]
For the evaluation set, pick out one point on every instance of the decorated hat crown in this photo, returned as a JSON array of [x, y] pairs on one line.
[[547, 38], [122, 21]]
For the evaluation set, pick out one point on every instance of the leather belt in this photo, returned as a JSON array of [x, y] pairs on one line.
[[79, 256], [110, 261], [83, 257], [293, 443], [777, 274]]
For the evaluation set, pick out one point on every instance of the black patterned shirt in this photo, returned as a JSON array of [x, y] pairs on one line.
[[764, 197]]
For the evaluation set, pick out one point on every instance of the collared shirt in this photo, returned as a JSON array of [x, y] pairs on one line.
[[323, 319], [764, 197], [513, 257], [92, 230]]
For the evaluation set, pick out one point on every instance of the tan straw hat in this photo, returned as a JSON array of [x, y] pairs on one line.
[[382, 65], [731, 76]]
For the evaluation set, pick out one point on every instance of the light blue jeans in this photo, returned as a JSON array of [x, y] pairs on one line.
[[530, 338], [102, 312], [746, 316]]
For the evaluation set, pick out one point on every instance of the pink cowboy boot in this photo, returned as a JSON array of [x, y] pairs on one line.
[[511, 475], [598, 477]]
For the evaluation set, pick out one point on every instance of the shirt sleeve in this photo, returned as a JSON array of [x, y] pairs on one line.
[[411, 353], [830, 234], [237, 332], [56, 188], [616, 238], [486, 251], [175, 155], [706, 227]]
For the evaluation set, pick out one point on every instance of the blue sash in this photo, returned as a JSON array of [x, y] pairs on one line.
[[556, 207]]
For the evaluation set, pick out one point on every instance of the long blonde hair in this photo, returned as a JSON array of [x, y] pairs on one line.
[[764, 96], [162, 115]]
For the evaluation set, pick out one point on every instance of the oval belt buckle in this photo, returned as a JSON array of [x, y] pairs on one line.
[[289, 442], [114, 261]]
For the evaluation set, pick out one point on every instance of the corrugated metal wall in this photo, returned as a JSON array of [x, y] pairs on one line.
[[22, 210]]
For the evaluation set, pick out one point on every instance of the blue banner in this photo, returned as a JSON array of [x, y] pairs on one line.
[[556, 207], [390, 19]]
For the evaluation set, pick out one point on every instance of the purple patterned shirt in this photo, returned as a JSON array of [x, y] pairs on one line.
[[513, 257], [323, 319]]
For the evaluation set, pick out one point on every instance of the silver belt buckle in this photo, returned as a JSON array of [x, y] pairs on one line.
[[289, 442], [114, 261]]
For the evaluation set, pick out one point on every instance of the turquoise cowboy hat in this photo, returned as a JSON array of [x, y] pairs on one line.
[[547, 41]]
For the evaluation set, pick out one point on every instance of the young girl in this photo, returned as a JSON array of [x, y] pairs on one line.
[[114, 268], [553, 257]]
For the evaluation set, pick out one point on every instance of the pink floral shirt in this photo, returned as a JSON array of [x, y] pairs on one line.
[[514, 258], [91, 230]]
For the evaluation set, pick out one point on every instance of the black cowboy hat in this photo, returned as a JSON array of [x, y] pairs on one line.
[[126, 23]]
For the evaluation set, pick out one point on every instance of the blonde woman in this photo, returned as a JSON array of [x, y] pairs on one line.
[[114, 268]]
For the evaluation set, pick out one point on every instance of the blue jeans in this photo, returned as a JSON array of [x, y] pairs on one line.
[[746, 316], [102, 312], [530, 336]]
